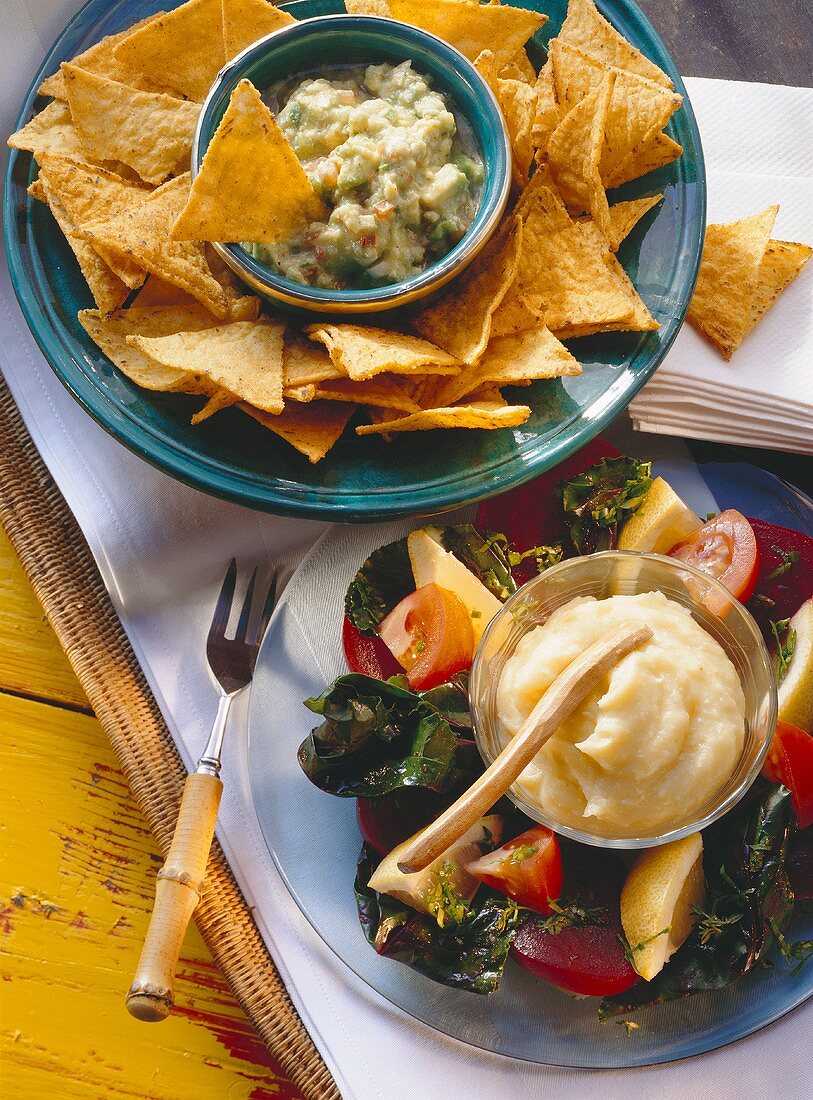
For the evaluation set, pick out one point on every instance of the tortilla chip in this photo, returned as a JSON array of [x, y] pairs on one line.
[[574, 152], [108, 290], [517, 313], [305, 363], [461, 321], [89, 193], [485, 414], [302, 394], [510, 361], [588, 30], [782, 262], [656, 153], [51, 131], [517, 101], [183, 49], [36, 189], [100, 58], [243, 357], [220, 399], [582, 288], [156, 292], [111, 333], [228, 203], [638, 110], [519, 68], [142, 235], [361, 351], [640, 319], [624, 216], [546, 117], [244, 21], [311, 429], [472, 28], [148, 131], [368, 7], [727, 283], [379, 392]]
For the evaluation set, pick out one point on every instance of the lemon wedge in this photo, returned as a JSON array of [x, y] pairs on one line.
[[656, 901], [660, 522], [796, 690], [443, 887]]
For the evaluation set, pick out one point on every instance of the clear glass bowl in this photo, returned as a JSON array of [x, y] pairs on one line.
[[613, 573]]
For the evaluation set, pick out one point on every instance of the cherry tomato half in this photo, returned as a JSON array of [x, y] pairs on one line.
[[430, 634], [790, 762], [725, 548], [527, 869]]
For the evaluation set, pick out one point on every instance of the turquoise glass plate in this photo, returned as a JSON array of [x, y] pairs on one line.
[[314, 838], [362, 478]]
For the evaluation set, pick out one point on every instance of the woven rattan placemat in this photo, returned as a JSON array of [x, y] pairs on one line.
[[64, 576]]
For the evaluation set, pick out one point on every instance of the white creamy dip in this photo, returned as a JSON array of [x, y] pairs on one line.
[[653, 743]]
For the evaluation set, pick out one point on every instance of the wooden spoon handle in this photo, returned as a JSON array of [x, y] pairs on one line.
[[561, 699], [177, 893]]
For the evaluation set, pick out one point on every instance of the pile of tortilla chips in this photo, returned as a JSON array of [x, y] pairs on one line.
[[742, 273], [113, 151]]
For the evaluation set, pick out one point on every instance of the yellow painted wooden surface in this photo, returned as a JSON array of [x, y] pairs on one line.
[[77, 874]]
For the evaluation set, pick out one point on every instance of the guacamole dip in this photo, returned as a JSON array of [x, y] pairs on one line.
[[402, 178]]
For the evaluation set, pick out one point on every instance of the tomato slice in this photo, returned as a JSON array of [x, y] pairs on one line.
[[527, 869], [366, 655], [531, 515], [430, 634], [725, 548], [790, 762]]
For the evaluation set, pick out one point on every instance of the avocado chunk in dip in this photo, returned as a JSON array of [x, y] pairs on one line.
[[401, 175]]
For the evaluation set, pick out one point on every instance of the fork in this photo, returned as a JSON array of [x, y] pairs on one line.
[[231, 663]]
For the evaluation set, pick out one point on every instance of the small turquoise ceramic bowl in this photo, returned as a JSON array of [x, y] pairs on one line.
[[328, 41]]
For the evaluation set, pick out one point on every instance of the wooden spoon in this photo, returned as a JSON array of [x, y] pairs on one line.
[[561, 699]]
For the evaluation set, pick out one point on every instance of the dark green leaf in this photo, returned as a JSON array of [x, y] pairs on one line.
[[380, 584], [598, 500], [469, 955], [747, 894], [378, 737], [485, 557]]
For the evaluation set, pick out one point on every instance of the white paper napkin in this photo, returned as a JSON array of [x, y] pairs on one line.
[[161, 548], [758, 145]]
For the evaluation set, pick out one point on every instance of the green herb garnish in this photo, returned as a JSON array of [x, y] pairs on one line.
[[784, 649], [789, 559]]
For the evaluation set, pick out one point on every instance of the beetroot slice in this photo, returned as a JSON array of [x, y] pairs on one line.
[[531, 514], [780, 597], [368, 656]]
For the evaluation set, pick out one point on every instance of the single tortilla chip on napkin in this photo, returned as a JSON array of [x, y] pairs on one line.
[[110, 334], [624, 216], [243, 357], [485, 414], [509, 361], [727, 282], [472, 28], [574, 152], [267, 202], [89, 193], [101, 58], [108, 290], [182, 49], [460, 322], [653, 154], [142, 235], [244, 21], [361, 351], [148, 131], [782, 262], [312, 429], [588, 30], [306, 363]]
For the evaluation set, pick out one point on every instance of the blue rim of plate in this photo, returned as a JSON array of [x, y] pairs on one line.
[[789, 506], [363, 503]]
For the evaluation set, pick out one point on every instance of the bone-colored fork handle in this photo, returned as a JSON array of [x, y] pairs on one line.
[[177, 893]]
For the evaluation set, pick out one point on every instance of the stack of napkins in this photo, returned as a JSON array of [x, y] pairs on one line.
[[759, 151]]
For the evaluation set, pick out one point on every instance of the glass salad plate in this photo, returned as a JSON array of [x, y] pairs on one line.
[[314, 838], [362, 478]]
